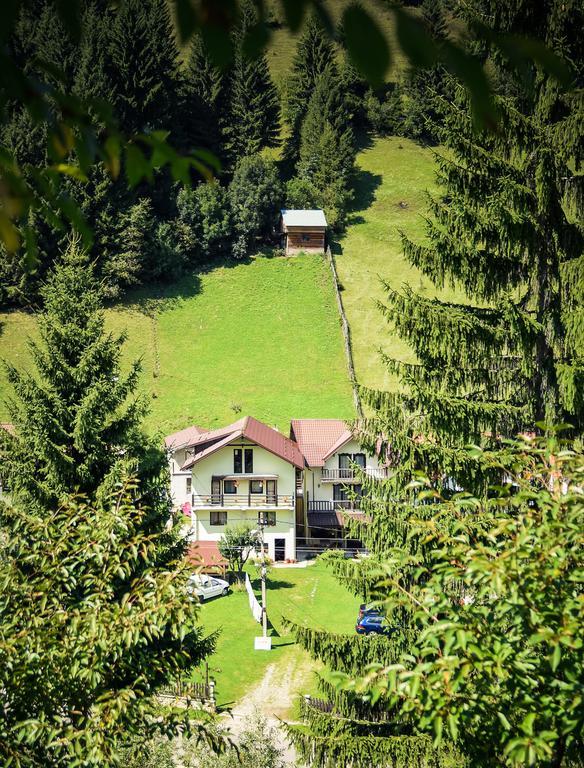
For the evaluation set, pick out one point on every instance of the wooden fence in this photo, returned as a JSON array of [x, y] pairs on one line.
[[346, 334], [188, 691]]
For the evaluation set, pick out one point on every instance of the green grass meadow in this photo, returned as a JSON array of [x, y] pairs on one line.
[[260, 338], [392, 179], [306, 595]]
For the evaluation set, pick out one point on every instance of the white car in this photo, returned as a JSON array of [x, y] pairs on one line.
[[205, 587]]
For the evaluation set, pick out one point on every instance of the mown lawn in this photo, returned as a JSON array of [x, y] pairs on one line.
[[305, 595], [393, 176], [260, 338]]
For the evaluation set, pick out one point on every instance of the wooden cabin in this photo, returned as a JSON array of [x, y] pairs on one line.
[[303, 230]]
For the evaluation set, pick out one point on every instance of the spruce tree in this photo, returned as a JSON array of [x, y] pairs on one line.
[[77, 418], [425, 89], [250, 118], [315, 53], [327, 150], [144, 66], [506, 232], [202, 97]]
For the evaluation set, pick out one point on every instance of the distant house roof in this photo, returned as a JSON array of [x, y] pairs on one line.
[[319, 438], [303, 218], [206, 443], [183, 437]]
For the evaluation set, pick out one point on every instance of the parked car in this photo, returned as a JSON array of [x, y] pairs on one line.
[[372, 625], [367, 609], [205, 587]]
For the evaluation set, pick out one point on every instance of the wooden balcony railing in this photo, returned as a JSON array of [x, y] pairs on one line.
[[349, 475], [243, 500]]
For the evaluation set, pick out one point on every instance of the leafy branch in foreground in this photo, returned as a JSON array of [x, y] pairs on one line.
[[90, 629], [497, 663]]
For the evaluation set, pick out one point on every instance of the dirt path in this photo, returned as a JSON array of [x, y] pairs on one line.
[[274, 698]]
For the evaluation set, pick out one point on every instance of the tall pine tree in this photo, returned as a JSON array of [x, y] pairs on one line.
[[327, 150], [506, 231], [250, 110], [144, 66], [315, 53], [77, 420]]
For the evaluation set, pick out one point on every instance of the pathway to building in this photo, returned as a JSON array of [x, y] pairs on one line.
[[274, 698]]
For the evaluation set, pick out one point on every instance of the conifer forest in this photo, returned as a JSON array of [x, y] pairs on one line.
[[292, 384]]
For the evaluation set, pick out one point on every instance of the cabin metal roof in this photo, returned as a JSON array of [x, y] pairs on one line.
[[303, 218]]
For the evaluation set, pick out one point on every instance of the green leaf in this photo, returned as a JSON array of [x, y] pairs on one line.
[[186, 19], [256, 39], [414, 40], [437, 728], [366, 43], [137, 166], [294, 11], [556, 657]]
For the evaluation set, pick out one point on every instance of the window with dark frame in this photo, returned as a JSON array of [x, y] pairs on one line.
[[189, 485], [248, 460], [271, 518], [218, 517], [230, 486], [256, 486], [237, 461]]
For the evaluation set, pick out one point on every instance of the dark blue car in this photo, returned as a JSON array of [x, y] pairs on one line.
[[372, 624]]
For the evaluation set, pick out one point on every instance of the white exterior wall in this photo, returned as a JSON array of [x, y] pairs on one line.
[[323, 491], [220, 464]]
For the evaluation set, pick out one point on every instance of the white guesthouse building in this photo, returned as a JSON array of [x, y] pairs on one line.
[[304, 483], [229, 475]]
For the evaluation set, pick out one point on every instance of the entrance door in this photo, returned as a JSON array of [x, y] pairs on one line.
[[216, 490], [271, 492], [279, 549]]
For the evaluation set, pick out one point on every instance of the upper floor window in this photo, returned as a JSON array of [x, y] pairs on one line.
[[346, 460], [242, 461]]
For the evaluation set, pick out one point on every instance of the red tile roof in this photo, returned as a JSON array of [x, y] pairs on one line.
[[318, 438], [205, 554], [250, 428]]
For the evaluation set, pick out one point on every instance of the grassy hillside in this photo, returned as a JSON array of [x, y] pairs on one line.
[[393, 175], [259, 338], [283, 44]]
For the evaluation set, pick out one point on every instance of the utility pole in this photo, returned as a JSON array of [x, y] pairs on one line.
[[263, 643], [264, 607]]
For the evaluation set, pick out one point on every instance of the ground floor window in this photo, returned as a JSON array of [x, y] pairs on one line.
[[218, 517]]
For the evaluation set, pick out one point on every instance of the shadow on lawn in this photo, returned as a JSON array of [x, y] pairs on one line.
[[158, 297]]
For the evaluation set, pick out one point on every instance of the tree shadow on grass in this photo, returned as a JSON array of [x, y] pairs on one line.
[[153, 298], [365, 186]]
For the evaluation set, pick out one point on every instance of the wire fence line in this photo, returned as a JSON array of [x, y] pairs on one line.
[[346, 333]]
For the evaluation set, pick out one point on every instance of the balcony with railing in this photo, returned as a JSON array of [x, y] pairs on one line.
[[349, 474], [243, 501], [344, 505]]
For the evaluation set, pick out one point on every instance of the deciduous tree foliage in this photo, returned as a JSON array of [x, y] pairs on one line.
[[91, 627], [497, 661]]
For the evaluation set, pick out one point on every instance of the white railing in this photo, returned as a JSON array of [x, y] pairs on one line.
[[349, 474]]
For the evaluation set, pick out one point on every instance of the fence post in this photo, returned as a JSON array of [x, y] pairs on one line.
[[212, 693]]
